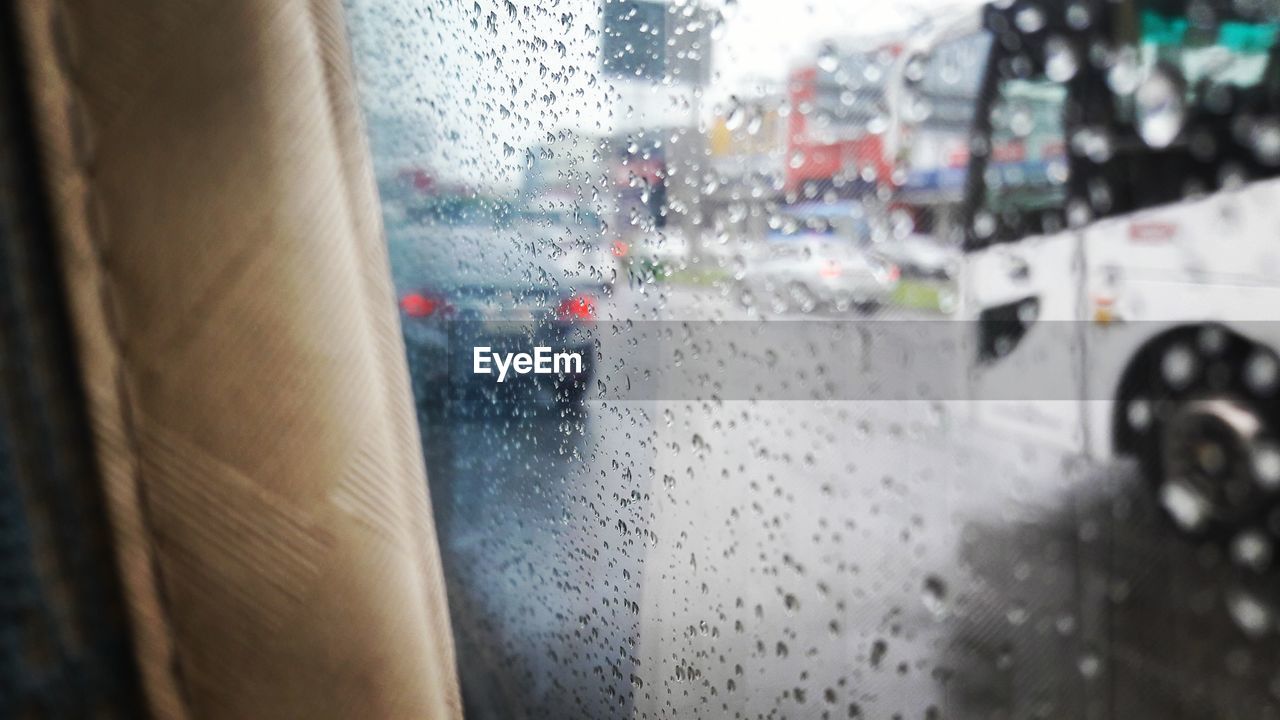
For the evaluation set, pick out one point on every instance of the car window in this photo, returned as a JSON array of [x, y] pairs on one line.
[[1229, 52], [1218, 72], [767, 472], [1026, 175]]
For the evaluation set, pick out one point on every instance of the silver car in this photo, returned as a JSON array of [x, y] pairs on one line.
[[818, 275], [817, 258]]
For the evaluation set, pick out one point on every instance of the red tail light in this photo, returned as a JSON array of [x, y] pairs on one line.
[[422, 305], [893, 272], [577, 307], [620, 248]]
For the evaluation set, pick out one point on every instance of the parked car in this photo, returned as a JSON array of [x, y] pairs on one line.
[[921, 256], [819, 256]]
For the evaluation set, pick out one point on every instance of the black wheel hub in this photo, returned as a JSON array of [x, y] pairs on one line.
[[1208, 448]]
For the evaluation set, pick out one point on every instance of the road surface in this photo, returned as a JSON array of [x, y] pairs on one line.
[[799, 559]]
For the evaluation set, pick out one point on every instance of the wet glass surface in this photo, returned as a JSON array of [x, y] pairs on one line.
[[858, 432]]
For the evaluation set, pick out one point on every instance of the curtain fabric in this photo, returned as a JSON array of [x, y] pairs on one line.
[[221, 247]]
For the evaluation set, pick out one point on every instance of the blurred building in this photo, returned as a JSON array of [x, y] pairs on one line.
[[619, 178], [748, 142], [656, 55], [747, 146], [933, 94], [653, 41], [840, 112]]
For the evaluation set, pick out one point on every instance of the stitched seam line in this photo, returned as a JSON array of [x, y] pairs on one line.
[[80, 139]]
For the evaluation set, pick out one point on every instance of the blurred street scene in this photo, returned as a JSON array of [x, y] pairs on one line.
[[931, 351]]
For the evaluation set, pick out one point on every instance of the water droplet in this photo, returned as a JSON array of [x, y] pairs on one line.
[[1089, 665], [1060, 63], [1030, 19], [1252, 549], [879, 649], [828, 59], [1249, 614], [934, 595]]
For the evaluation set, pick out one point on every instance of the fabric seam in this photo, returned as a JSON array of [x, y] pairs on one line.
[[81, 164]]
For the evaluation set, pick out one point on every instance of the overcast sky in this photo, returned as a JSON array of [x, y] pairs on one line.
[[467, 93], [763, 37]]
